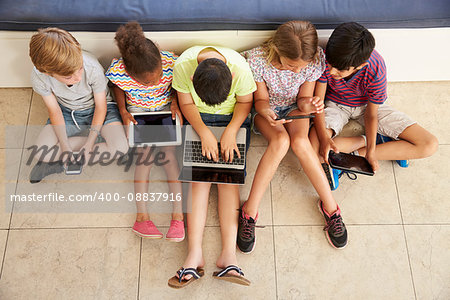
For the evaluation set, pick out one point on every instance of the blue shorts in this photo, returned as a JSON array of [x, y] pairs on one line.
[[281, 111], [223, 121], [284, 111], [84, 119]]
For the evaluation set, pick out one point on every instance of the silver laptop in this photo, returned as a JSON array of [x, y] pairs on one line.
[[198, 168]]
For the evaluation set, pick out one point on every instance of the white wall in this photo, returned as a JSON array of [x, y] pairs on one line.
[[410, 54]]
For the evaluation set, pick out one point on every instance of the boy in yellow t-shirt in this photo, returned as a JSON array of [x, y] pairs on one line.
[[215, 87]]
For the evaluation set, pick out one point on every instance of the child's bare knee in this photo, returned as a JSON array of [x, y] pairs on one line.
[[300, 144], [280, 142], [430, 146], [120, 147]]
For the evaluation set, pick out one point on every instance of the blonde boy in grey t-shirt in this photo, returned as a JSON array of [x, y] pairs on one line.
[[74, 89]]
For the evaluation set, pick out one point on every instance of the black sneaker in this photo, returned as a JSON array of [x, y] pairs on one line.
[[335, 229], [246, 232], [43, 169]]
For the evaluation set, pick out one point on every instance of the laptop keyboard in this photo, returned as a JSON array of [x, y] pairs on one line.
[[193, 153]]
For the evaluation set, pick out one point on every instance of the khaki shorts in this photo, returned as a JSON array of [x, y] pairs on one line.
[[391, 122]]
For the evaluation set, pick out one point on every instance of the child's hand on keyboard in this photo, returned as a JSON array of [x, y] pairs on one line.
[[228, 145], [209, 146]]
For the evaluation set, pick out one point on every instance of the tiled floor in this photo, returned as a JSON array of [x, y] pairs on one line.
[[398, 223]]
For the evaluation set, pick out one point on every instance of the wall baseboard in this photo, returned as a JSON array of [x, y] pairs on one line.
[[410, 54]]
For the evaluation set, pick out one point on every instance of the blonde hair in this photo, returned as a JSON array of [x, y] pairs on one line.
[[55, 51], [293, 40]]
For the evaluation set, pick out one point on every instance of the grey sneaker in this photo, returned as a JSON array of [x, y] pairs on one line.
[[43, 169]]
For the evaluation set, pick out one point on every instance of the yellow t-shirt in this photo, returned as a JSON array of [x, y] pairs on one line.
[[242, 84]]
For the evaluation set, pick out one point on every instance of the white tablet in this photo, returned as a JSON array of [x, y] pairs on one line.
[[154, 128]]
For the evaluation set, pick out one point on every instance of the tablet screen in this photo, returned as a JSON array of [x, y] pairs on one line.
[[154, 128]]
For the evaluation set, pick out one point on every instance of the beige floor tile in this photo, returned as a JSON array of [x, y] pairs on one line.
[[111, 179], [293, 197], [101, 212], [9, 166], [295, 200], [79, 213], [374, 265], [428, 248], [38, 118], [38, 111], [5, 204], [425, 102], [15, 105], [265, 211], [352, 128], [424, 187], [369, 200], [3, 236], [257, 140], [71, 264], [253, 156], [258, 268], [107, 182]]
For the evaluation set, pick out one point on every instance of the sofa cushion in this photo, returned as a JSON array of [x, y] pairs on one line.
[[170, 15]]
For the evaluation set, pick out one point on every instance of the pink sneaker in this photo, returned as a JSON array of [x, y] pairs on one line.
[[176, 231], [147, 229]]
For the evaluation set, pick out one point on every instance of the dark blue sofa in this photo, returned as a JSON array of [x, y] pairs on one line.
[[174, 15]]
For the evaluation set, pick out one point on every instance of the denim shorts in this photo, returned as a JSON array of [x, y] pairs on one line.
[[223, 121], [284, 111], [281, 111], [83, 119]]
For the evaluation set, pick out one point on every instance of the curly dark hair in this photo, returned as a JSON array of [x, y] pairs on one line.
[[139, 54]]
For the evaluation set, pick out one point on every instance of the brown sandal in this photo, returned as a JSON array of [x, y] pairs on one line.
[[239, 279], [178, 282]]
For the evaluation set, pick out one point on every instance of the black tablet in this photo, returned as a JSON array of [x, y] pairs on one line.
[[350, 162], [154, 128]]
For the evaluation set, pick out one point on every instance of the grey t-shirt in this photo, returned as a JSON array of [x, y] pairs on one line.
[[79, 96]]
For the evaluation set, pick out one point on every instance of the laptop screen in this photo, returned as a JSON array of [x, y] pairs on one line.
[[154, 128]]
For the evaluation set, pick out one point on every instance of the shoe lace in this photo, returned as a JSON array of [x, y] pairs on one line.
[[350, 175], [248, 229], [336, 225]]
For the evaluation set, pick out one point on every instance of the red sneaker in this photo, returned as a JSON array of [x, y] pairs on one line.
[[176, 231], [146, 229]]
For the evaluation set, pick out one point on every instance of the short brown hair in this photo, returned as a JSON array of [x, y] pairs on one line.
[[55, 51], [212, 81], [293, 40]]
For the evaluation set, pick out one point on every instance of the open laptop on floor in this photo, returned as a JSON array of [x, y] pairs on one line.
[[198, 168]]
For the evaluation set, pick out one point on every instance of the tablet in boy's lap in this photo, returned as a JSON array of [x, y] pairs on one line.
[[154, 129], [350, 162]]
